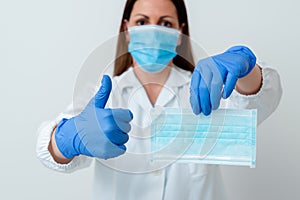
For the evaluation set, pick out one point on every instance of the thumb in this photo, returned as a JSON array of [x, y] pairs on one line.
[[103, 94]]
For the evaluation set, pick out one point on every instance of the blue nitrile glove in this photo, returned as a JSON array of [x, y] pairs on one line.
[[96, 131], [213, 72]]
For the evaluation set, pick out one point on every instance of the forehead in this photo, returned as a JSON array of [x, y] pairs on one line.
[[154, 7]]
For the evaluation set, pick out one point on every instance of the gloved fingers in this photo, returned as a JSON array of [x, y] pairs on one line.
[[123, 147], [206, 71], [117, 137], [112, 151], [204, 96], [194, 92], [217, 80], [230, 83], [123, 126], [216, 91], [123, 115], [103, 93]]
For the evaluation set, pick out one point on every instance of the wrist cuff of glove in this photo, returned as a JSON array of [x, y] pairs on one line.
[[64, 137]]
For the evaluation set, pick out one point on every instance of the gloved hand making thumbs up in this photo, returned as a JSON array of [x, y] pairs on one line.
[[96, 131]]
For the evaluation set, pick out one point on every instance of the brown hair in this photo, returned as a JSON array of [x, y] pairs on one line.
[[184, 58]]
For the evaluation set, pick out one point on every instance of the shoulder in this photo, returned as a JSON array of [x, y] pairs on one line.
[[126, 79], [182, 72]]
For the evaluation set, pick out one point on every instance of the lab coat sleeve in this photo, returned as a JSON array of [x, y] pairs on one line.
[[46, 128], [265, 100], [43, 154]]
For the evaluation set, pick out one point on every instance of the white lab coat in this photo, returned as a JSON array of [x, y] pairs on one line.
[[133, 178]]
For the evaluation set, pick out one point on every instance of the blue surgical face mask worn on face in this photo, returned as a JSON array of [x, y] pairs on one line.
[[225, 137], [153, 46]]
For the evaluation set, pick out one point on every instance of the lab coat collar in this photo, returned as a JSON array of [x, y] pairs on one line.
[[128, 81], [177, 78]]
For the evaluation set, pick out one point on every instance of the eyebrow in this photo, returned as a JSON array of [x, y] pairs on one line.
[[162, 17]]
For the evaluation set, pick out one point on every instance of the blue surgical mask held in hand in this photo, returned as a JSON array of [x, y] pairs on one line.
[[225, 137], [153, 46]]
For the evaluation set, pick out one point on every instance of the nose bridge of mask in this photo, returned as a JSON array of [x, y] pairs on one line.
[[224, 137]]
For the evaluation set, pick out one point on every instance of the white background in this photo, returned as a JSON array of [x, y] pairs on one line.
[[44, 43]]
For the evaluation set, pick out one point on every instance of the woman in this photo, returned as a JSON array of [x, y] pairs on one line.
[[157, 70]]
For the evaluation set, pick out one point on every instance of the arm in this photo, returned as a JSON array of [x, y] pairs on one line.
[[45, 143], [46, 149], [265, 100], [54, 151], [217, 76], [251, 83], [68, 142]]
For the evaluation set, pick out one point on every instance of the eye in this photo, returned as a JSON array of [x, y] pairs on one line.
[[141, 22], [166, 24]]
